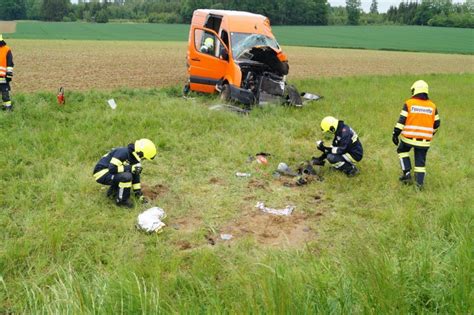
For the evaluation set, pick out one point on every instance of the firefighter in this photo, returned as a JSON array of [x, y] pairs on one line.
[[6, 73], [346, 148], [120, 169], [418, 122], [208, 46]]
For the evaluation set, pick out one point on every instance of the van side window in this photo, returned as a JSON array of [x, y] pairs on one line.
[[225, 37], [205, 42]]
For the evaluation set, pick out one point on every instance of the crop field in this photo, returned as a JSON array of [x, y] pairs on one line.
[[353, 245], [45, 65], [404, 38]]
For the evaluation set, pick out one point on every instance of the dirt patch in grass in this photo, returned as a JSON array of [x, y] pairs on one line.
[[85, 65], [154, 191], [273, 230]]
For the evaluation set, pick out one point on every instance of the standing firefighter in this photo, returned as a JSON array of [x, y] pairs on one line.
[[6, 73], [346, 148], [120, 169], [419, 121]]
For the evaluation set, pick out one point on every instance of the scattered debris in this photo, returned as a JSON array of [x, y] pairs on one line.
[[112, 103], [262, 157], [284, 169], [60, 96], [286, 211], [150, 220], [239, 174], [307, 97], [210, 240], [226, 237]]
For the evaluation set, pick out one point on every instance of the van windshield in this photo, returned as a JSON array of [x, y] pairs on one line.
[[243, 41]]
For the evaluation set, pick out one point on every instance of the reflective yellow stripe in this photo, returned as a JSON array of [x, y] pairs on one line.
[[7, 103], [417, 134], [403, 155], [120, 169], [125, 185], [420, 169], [137, 186], [354, 138], [101, 173], [399, 126], [349, 157], [415, 127], [404, 113], [116, 161], [418, 143]]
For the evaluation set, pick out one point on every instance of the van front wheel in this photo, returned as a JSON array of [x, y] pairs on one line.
[[225, 93]]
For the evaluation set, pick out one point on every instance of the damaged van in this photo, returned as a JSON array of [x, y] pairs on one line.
[[236, 54]]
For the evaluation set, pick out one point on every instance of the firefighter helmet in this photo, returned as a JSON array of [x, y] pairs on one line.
[[329, 124], [418, 87], [209, 42], [145, 149]]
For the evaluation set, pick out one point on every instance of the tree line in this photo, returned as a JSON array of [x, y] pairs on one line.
[[280, 12]]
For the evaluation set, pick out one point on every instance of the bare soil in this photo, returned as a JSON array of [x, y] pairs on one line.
[[153, 192], [46, 65]]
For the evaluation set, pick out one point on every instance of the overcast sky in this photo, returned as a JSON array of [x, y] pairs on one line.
[[383, 5]]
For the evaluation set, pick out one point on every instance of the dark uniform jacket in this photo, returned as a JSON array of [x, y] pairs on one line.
[[345, 141], [118, 160]]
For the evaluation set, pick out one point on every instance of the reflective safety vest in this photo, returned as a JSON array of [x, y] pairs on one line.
[[420, 119], [3, 60]]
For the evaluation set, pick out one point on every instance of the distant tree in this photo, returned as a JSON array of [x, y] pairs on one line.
[[102, 16], [353, 8], [12, 9], [54, 10], [374, 7], [33, 9]]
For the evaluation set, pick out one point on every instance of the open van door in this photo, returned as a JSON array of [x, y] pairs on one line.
[[208, 60]]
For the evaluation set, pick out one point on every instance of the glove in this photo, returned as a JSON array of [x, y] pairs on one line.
[[320, 145], [318, 161], [137, 168], [395, 139], [395, 134]]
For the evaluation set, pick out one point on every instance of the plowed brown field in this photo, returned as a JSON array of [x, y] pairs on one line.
[[85, 65]]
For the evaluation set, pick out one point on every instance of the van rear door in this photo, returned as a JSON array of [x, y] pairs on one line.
[[207, 64]]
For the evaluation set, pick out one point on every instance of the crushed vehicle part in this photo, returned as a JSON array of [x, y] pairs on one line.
[[226, 237]]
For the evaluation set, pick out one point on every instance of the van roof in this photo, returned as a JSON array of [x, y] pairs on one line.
[[232, 13], [240, 21]]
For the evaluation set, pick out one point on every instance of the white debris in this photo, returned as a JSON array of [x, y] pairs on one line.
[[286, 211], [239, 174], [150, 220], [226, 237], [112, 103]]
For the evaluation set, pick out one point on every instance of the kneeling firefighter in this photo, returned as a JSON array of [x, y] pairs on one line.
[[120, 169], [346, 149]]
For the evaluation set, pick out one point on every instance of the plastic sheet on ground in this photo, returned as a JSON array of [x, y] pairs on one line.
[[286, 211], [150, 220]]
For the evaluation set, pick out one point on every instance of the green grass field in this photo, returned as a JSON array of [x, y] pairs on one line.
[[380, 248], [405, 38]]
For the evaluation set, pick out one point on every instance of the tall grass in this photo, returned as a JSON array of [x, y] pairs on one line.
[[380, 247]]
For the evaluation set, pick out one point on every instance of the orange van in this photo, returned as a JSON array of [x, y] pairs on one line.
[[236, 54]]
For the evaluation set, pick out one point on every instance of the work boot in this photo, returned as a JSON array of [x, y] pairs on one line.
[[317, 161], [112, 192], [406, 178], [353, 171], [8, 108], [124, 203]]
